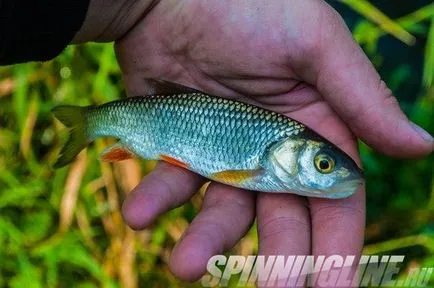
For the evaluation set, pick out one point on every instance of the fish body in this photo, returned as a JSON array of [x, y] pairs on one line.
[[224, 140]]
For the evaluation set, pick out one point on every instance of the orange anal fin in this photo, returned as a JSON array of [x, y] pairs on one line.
[[116, 153], [173, 161], [235, 176]]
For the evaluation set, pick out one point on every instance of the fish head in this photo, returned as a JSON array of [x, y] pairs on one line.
[[312, 166]]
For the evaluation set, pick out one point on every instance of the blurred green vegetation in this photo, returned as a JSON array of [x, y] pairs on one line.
[[64, 228]]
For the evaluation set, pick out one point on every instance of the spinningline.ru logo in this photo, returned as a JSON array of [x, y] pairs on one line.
[[310, 271]]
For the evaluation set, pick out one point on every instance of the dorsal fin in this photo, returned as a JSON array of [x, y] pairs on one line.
[[161, 87]]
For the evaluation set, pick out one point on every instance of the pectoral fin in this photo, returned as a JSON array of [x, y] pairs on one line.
[[235, 176], [116, 152], [173, 161]]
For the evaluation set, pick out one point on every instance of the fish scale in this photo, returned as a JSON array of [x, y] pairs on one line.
[[173, 125]]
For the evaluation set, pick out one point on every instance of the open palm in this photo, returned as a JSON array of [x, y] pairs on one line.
[[294, 57]]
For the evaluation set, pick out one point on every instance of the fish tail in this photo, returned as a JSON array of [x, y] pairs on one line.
[[73, 117]]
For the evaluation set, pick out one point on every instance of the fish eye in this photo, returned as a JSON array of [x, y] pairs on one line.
[[324, 163]]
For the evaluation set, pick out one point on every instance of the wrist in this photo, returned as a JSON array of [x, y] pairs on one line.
[[109, 20]]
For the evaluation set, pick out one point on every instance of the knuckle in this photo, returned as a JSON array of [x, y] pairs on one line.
[[209, 231], [281, 225], [229, 197], [169, 196], [336, 213]]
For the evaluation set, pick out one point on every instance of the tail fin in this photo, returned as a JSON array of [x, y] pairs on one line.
[[74, 118]]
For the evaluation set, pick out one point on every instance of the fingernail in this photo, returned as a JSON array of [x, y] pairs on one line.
[[424, 134]]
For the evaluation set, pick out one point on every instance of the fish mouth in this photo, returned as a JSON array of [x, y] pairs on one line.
[[339, 191], [344, 190]]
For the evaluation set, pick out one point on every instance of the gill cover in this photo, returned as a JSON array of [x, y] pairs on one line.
[[314, 167]]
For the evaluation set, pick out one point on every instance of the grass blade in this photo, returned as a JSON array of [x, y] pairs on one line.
[[372, 13], [428, 70]]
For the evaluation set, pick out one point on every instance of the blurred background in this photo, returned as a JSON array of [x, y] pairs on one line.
[[64, 228]]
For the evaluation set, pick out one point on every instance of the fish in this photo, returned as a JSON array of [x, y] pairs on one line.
[[224, 140]]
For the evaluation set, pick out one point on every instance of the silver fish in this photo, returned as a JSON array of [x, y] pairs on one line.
[[224, 140]]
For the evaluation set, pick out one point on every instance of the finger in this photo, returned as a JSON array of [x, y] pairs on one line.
[[338, 226], [283, 226], [226, 216], [346, 78], [165, 188]]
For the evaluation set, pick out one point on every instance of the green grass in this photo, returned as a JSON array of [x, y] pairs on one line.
[[64, 227]]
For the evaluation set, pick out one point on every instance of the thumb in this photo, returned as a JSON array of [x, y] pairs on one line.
[[348, 81]]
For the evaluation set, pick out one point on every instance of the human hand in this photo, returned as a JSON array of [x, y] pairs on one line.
[[295, 57]]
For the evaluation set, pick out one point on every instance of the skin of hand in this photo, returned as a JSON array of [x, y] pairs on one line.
[[296, 57]]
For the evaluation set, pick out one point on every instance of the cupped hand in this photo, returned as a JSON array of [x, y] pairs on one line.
[[295, 57]]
